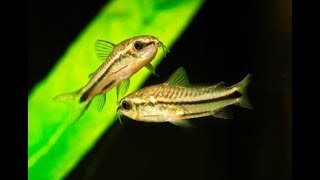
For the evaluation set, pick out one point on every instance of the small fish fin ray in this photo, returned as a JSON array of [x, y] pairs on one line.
[[101, 101], [241, 87], [219, 85], [223, 113], [103, 49], [122, 88], [151, 69], [244, 102], [179, 78], [79, 110], [183, 123]]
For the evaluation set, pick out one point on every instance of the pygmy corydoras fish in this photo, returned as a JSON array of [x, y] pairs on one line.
[[121, 61], [176, 100]]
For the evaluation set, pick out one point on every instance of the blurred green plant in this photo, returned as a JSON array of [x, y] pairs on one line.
[[55, 146]]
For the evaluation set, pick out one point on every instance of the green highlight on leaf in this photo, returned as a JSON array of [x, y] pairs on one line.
[[54, 145]]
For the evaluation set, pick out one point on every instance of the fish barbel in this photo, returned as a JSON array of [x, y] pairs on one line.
[[121, 61], [176, 100]]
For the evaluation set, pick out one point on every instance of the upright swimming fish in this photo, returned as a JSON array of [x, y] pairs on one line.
[[121, 61], [176, 100]]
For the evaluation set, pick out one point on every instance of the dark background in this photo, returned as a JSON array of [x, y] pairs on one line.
[[225, 41]]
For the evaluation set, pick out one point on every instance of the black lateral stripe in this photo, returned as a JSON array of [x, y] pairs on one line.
[[108, 69], [196, 113], [108, 85], [84, 96], [103, 75], [233, 95]]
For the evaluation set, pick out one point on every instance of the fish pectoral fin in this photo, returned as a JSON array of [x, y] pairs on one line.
[[224, 113], [179, 78], [101, 101], [122, 88], [151, 69], [183, 123], [103, 49]]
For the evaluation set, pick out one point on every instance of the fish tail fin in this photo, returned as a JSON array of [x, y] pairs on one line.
[[74, 99], [67, 98], [241, 87]]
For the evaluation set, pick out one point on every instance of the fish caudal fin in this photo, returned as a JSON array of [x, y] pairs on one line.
[[67, 97], [73, 99], [241, 87]]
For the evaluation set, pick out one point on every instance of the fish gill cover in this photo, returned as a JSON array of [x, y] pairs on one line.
[[54, 147]]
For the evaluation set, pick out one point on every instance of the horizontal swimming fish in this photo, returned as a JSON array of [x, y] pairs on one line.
[[176, 100], [121, 61]]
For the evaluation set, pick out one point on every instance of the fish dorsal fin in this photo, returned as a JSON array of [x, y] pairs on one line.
[[103, 49], [179, 78], [122, 88]]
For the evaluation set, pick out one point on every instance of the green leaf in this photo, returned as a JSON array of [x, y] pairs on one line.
[[54, 147]]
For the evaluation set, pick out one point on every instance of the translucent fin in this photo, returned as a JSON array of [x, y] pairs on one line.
[[241, 87], [79, 110], [101, 101], [73, 99], [244, 102], [224, 113], [103, 49], [151, 69], [220, 85], [122, 88], [183, 123], [67, 98], [179, 78]]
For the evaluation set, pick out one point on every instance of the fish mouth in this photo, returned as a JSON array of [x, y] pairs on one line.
[[151, 48]]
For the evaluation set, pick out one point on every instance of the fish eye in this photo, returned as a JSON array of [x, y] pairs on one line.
[[138, 45], [125, 105]]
